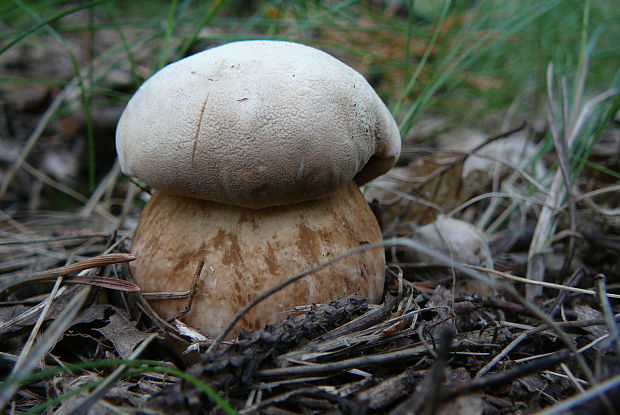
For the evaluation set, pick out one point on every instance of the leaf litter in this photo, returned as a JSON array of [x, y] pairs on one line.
[[347, 356]]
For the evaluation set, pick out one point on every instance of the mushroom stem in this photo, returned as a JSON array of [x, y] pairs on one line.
[[246, 251]]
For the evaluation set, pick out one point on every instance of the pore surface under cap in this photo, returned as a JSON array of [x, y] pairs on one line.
[[256, 124]]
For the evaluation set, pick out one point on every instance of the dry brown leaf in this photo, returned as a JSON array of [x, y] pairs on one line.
[[420, 191], [122, 333]]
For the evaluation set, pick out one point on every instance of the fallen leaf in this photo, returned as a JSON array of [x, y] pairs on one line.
[[122, 334]]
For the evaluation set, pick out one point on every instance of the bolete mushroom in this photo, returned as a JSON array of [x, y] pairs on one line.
[[460, 241], [256, 149]]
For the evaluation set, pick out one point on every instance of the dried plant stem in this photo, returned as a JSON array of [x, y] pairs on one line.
[[544, 229], [56, 239], [601, 292], [562, 150], [108, 181], [546, 224], [576, 382], [561, 334], [500, 194], [130, 197], [556, 327], [442, 170], [514, 343], [539, 283], [53, 183], [192, 292], [507, 375], [597, 192], [21, 228], [96, 262], [35, 330], [167, 295]]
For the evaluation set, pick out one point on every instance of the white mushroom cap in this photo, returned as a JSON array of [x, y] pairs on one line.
[[455, 238], [256, 124], [460, 241]]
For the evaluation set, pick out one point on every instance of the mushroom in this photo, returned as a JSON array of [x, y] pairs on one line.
[[256, 149], [455, 238], [462, 242]]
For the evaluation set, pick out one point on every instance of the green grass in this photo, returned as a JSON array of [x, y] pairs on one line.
[[141, 366], [507, 42]]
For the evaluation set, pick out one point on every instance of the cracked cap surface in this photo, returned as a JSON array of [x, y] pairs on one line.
[[256, 124]]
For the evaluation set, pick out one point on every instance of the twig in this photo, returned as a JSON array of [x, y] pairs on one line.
[[507, 375], [276, 399], [489, 140], [559, 300], [560, 333], [363, 322], [192, 292], [388, 391], [146, 308], [572, 377], [514, 343], [540, 283], [342, 365]]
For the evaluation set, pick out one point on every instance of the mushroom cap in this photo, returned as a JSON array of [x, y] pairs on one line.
[[246, 251], [457, 239], [463, 243], [256, 124]]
